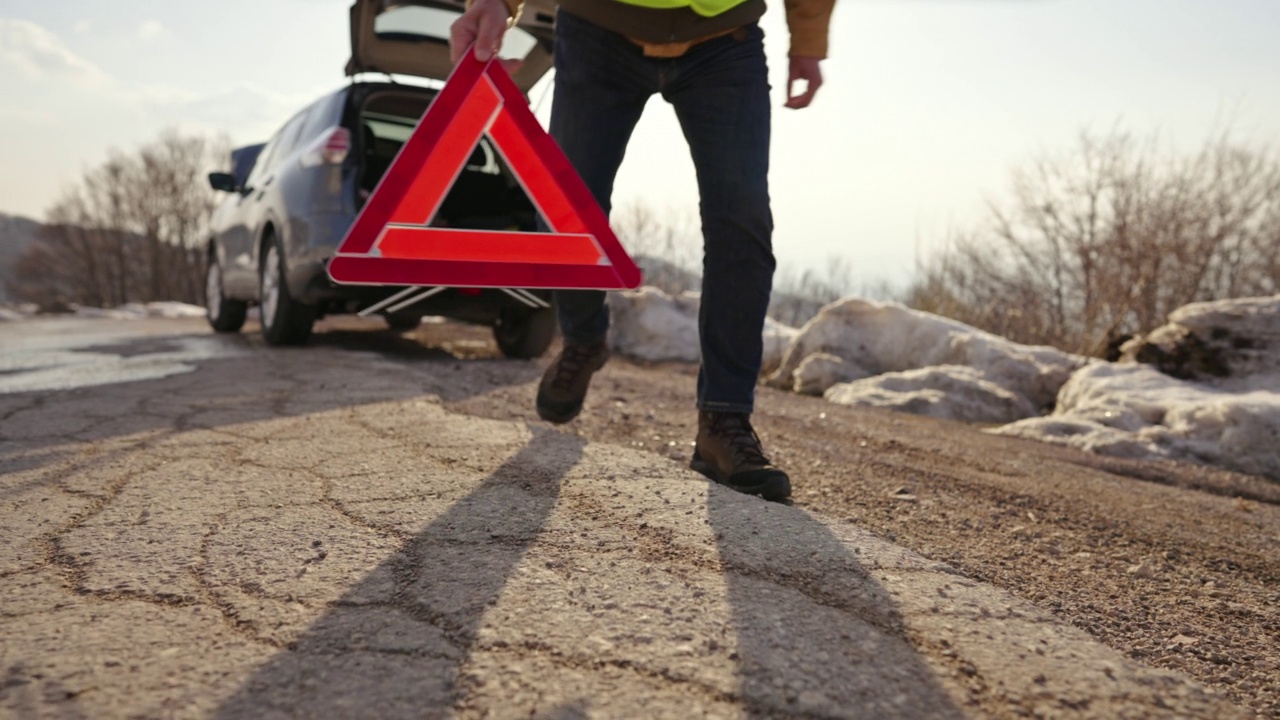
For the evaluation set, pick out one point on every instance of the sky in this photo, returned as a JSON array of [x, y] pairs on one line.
[[928, 104]]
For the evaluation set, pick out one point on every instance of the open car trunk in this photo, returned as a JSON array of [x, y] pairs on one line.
[[485, 196], [411, 37]]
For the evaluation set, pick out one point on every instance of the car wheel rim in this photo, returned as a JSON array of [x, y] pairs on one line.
[[213, 292], [270, 286]]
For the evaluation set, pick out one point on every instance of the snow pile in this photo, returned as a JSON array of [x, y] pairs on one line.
[[952, 392], [174, 310], [139, 311], [1224, 409], [1232, 342], [647, 324], [858, 352], [13, 312], [132, 311]]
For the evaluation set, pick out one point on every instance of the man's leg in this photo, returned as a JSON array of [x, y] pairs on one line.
[[721, 97], [720, 92], [602, 83]]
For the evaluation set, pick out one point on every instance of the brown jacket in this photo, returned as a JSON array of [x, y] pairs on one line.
[[808, 20]]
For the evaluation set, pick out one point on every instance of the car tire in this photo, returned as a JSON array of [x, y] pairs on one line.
[[224, 314], [522, 335], [285, 320]]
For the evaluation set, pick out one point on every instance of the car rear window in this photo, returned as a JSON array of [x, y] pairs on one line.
[[389, 132], [414, 23]]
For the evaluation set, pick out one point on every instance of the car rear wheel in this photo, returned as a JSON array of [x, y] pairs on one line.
[[224, 314], [523, 334], [285, 320]]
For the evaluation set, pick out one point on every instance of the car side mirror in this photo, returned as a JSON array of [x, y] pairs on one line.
[[226, 182]]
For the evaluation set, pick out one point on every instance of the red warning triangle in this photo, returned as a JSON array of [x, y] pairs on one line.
[[391, 244]]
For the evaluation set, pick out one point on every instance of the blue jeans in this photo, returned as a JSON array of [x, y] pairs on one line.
[[720, 92]]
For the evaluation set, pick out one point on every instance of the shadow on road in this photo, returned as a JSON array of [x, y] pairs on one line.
[[400, 657], [817, 634], [114, 388]]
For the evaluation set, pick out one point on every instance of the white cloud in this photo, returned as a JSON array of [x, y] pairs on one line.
[[77, 110], [39, 54], [244, 112], [82, 26], [151, 30]]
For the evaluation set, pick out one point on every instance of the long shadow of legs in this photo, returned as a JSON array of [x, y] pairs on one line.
[[817, 636], [399, 655]]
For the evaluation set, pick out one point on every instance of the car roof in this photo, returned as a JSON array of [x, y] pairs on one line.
[[411, 37]]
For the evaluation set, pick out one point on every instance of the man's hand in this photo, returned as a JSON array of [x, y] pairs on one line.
[[809, 70], [483, 24]]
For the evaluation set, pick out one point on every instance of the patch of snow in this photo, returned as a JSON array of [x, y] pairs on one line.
[[1230, 343], [175, 310], [777, 338], [648, 324], [651, 325], [131, 311], [952, 392], [962, 364], [1135, 411], [1254, 317], [64, 362], [140, 311], [12, 312], [820, 371], [1222, 409]]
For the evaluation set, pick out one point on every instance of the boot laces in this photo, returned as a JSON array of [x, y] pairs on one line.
[[571, 362], [736, 429]]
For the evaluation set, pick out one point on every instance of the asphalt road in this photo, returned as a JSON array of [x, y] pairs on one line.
[[200, 526]]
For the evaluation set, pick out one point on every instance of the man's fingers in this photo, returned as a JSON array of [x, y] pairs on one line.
[[802, 100], [796, 102], [809, 71], [489, 39], [461, 36], [482, 25]]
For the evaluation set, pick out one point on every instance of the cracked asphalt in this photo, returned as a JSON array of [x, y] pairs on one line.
[[200, 526]]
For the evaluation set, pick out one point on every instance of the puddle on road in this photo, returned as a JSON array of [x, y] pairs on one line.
[[47, 362]]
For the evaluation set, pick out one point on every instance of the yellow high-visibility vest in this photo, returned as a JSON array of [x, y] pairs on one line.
[[705, 8]]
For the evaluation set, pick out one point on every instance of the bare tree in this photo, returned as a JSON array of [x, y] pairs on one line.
[[1109, 239], [799, 295], [129, 231], [668, 248], [666, 245]]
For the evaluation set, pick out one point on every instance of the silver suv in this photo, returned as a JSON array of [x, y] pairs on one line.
[[291, 200]]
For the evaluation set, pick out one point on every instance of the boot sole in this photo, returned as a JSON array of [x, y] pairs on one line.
[[557, 418], [775, 489]]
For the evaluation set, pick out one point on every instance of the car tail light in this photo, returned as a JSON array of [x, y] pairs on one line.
[[330, 148]]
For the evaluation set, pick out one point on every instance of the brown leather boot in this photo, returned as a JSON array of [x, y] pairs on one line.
[[728, 451], [564, 384]]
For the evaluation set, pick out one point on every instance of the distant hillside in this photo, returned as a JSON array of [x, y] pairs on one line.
[[16, 233]]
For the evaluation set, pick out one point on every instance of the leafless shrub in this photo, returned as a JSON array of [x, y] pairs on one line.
[[799, 295], [666, 244], [1106, 241], [129, 231]]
